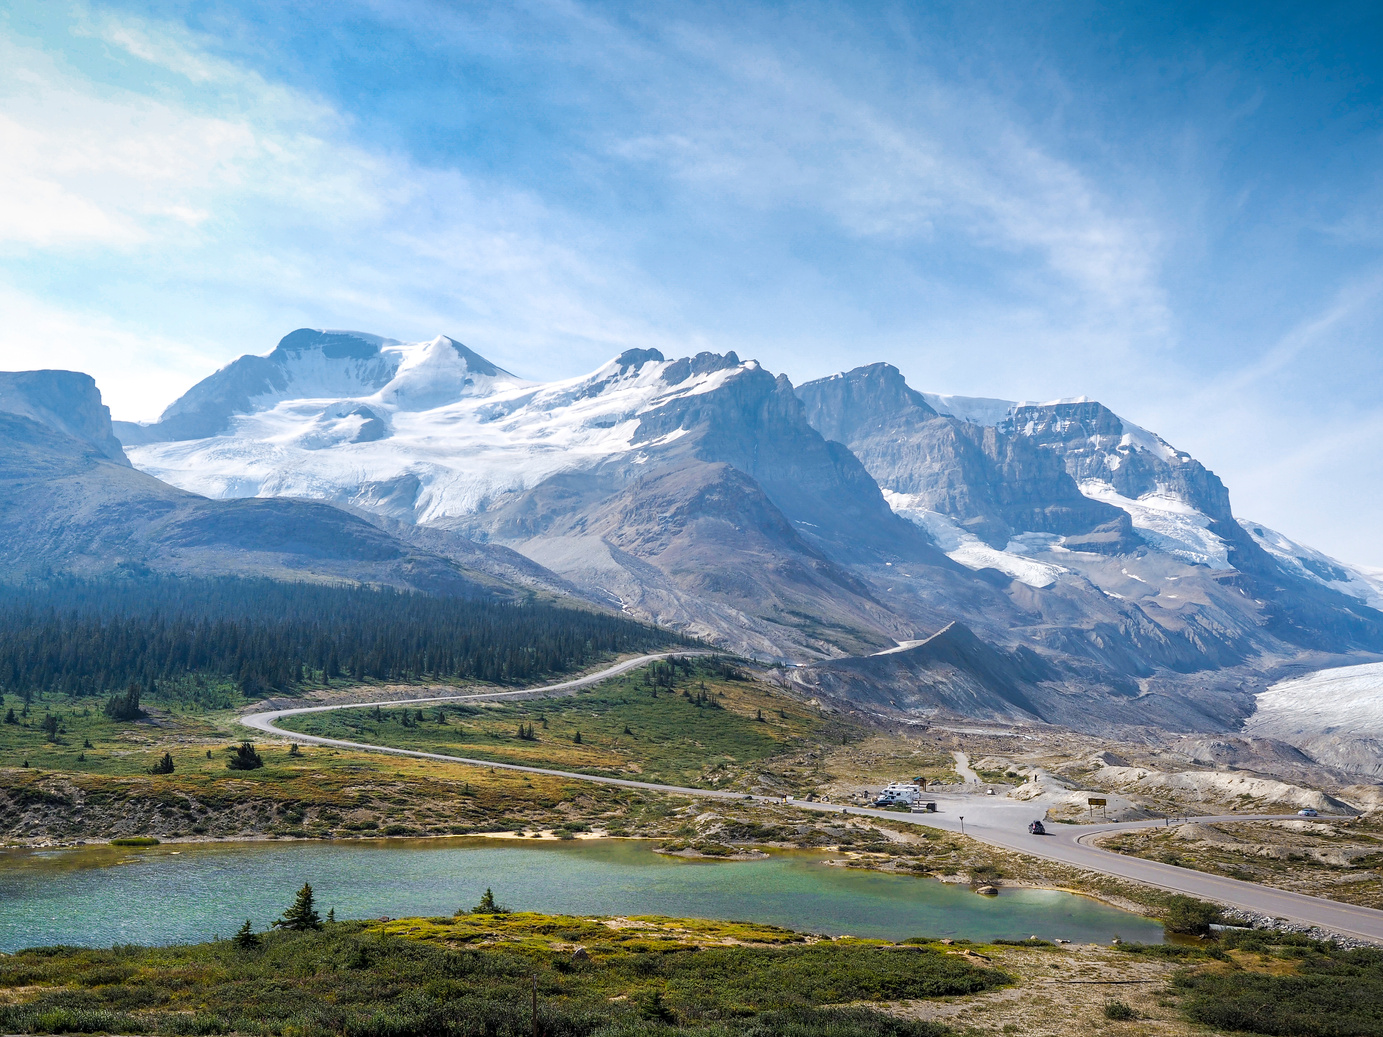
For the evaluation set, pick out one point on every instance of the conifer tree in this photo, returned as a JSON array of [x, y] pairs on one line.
[[302, 916], [164, 766], [488, 905], [244, 758], [125, 705], [245, 937]]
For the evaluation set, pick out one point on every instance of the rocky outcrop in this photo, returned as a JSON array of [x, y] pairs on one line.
[[66, 401], [990, 482]]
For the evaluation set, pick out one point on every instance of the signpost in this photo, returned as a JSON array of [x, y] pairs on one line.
[[1097, 801]]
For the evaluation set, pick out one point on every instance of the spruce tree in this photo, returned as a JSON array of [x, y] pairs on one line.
[[488, 905], [125, 705], [302, 916], [245, 937], [244, 758], [164, 766]]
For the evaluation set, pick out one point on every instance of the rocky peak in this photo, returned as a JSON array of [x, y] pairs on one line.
[[988, 481], [63, 400], [1095, 444], [862, 402]]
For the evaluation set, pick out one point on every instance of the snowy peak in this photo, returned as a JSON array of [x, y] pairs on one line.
[[421, 431], [1318, 567], [325, 365]]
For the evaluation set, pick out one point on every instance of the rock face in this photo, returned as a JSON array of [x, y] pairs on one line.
[[990, 482], [66, 401]]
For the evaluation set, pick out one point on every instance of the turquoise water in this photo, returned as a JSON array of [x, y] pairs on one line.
[[99, 897]]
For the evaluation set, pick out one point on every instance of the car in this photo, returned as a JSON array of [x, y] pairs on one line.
[[1307, 812], [1037, 828]]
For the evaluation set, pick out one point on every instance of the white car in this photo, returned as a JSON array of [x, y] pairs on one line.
[[1307, 812]]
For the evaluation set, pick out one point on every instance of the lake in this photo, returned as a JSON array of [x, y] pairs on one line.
[[101, 896]]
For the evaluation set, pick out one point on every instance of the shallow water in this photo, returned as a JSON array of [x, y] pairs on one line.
[[100, 896]]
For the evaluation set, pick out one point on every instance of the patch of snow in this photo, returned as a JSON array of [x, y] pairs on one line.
[[975, 409], [1342, 700], [969, 550], [1137, 438], [1317, 566], [1167, 523]]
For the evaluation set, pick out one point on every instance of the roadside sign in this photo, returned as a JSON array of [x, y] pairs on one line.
[[1094, 802]]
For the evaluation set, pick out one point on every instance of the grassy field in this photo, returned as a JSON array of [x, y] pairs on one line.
[[1337, 860], [699, 728], [83, 775], [477, 975]]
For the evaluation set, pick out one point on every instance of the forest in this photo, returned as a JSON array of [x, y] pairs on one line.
[[81, 637]]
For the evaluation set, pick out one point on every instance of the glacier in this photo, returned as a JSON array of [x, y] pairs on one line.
[[420, 431]]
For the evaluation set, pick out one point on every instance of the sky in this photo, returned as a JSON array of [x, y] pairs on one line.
[[1176, 209]]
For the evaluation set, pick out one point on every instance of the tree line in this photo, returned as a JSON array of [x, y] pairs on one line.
[[88, 637]]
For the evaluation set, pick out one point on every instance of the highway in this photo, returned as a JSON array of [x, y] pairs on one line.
[[994, 820]]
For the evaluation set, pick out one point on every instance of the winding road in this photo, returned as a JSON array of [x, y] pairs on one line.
[[995, 820]]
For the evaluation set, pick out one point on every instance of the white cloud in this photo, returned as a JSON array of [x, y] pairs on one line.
[[936, 161], [191, 206], [137, 372]]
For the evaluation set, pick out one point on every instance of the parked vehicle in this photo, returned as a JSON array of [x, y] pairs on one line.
[[1307, 812], [1037, 828], [898, 792]]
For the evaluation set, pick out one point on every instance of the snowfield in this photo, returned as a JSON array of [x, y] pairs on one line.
[[1347, 700], [1167, 523], [421, 432], [1318, 567], [969, 550]]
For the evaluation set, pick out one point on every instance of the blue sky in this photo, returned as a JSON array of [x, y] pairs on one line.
[[1176, 209]]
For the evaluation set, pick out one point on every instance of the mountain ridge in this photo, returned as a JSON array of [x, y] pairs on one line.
[[828, 521]]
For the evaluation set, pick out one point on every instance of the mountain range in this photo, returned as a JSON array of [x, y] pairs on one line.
[[921, 553]]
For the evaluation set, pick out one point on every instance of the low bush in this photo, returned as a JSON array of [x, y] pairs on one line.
[[354, 978], [1189, 916], [1119, 1011]]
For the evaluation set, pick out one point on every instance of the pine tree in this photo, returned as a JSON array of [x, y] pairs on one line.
[[245, 937], [125, 706], [576, 739], [488, 905], [244, 758], [302, 916], [164, 766]]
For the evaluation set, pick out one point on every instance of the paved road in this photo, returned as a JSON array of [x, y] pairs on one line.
[[995, 820]]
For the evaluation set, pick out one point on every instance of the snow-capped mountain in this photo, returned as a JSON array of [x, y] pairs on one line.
[[1084, 558], [1172, 503], [1318, 567], [422, 431]]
